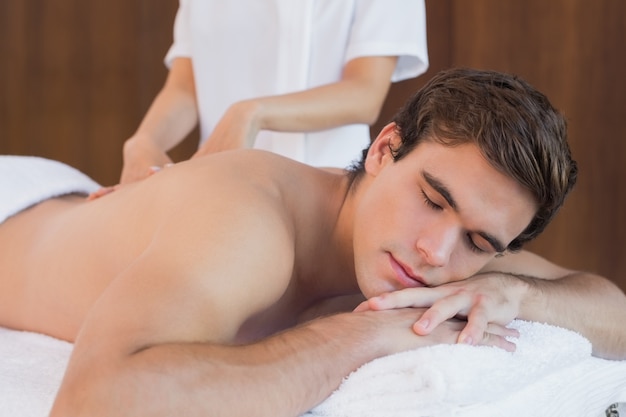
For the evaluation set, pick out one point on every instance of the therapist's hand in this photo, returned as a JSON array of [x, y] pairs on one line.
[[102, 192], [108, 190], [237, 129], [141, 158]]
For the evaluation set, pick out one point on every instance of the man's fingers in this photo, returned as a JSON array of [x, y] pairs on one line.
[[503, 331], [477, 327], [408, 297], [490, 339], [364, 306], [477, 323], [442, 310], [443, 304]]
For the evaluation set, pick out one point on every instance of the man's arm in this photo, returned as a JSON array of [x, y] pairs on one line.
[[528, 287], [283, 375], [356, 98], [159, 340], [171, 116], [587, 303]]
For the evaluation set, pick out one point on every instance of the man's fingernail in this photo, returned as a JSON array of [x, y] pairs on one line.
[[465, 339]]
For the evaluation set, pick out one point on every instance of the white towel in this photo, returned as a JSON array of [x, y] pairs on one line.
[[28, 180], [31, 368], [551, 374], [551, 371]]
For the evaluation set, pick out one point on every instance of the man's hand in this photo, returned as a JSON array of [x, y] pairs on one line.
[[488, 301], [396, 327]]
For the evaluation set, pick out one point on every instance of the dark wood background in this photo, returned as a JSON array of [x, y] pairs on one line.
[[77, 77]]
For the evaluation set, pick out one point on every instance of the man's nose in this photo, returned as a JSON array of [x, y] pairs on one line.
[[437, 244]]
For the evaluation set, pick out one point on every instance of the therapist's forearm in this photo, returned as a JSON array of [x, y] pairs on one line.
[[321, 108], [357, 98], [173, 113], [169, 120]]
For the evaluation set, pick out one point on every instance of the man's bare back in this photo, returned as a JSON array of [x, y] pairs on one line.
[[63, 253]]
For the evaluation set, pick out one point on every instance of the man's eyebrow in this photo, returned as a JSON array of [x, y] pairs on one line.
[[438, 186], [493, 241], [441, 189]]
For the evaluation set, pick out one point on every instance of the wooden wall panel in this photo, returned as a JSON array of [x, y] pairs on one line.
[[77, 77]]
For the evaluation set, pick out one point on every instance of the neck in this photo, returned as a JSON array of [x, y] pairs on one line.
[[328, 270]]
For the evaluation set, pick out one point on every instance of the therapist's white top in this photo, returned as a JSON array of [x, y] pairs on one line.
[[242, 49]]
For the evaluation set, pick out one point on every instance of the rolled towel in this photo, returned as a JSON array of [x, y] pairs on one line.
[[28, 180]]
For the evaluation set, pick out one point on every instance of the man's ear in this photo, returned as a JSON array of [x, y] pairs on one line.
[[379, 153]]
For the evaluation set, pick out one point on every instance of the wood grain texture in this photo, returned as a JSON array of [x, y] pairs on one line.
[[77, 77]]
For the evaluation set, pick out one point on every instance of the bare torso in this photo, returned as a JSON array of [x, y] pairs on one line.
[[63, 253]]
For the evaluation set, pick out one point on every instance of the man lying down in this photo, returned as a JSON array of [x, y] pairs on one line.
[[185, 293]]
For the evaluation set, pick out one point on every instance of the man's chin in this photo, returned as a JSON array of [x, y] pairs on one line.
[[375, 290]]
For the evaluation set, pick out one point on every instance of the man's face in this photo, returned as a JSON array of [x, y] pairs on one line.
[[437, 215]]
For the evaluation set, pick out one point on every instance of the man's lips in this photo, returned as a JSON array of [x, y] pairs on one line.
[[404, 275]]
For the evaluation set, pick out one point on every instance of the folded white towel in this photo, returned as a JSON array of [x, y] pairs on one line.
[[547, 371], [28, 180]]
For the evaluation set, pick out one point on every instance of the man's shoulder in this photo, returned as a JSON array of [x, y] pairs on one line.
[[253, 169], [233, 186], [250, 162]]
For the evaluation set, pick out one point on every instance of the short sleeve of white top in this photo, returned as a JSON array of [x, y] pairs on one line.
[[249, 48]]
